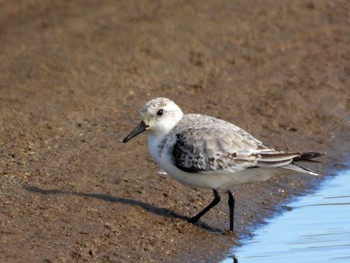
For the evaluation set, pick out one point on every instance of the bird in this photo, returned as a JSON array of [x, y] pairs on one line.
[[206, 152]]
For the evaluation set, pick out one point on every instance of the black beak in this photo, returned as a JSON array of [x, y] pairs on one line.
[[139, 129]]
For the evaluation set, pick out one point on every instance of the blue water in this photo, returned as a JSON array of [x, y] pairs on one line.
[[316, 230]]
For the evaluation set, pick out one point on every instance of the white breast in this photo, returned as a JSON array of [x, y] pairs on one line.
[[153, 143]]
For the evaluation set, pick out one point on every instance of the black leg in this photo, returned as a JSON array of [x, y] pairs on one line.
[[206, 209], [231, 204]]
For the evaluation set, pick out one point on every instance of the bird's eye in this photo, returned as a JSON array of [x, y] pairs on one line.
[[160, 112]]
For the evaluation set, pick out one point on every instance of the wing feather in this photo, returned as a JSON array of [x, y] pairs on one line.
[[207, 144], [213, 147]]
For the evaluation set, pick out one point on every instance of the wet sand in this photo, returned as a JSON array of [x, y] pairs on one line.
[[73, 77]]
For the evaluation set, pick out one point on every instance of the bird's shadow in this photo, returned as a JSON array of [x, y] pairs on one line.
[[114, 199]]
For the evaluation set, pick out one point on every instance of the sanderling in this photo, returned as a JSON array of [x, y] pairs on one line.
[[203, 151]]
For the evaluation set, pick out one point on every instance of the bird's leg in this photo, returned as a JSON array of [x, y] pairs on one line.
[[231, 204], [207, 208]]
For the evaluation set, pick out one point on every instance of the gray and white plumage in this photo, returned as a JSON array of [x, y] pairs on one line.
[[204, 151]]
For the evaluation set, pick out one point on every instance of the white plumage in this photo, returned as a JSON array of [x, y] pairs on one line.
[[204, 151]]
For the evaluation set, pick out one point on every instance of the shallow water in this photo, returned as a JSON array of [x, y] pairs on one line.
[[317, 229]]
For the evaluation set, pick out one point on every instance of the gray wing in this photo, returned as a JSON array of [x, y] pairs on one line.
[[220, 148]]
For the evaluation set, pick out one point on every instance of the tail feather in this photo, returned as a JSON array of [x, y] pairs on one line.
[[300, 169], [307, 157]]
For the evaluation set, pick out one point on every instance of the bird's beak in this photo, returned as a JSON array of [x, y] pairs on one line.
[[139, 129]]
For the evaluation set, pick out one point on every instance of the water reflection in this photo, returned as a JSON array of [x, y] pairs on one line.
[[317, 229]]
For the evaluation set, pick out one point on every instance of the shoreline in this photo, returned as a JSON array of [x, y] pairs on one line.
[[74, 77]]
